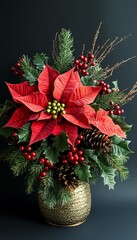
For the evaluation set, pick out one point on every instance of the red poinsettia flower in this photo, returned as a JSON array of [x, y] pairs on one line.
[[104, 123], [58, 103]]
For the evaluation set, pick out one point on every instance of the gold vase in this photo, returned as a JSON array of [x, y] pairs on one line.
[[72, 214]]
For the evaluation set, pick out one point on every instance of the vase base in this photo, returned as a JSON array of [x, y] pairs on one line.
[[65, 225]]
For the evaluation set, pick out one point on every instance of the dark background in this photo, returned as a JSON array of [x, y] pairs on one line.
[[29, 26]]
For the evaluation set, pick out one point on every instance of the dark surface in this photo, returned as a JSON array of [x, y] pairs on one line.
[[29, 26]]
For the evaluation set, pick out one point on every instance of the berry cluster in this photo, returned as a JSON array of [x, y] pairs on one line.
[[46, 166], [55, 107], [82, 64], [75, 154], [115, 109], [17, 69], [27, 152], [106, 88]]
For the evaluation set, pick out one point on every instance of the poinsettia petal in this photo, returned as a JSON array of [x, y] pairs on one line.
[[83, 95], [20, 89], [57, 130], [106, 125], [41, 130], [71, 130], [35, 101], [44, 116], [46, 81], [76, 116], [65, 84], [20, 117]]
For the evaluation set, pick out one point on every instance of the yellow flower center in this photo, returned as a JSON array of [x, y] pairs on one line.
[[55, 107]]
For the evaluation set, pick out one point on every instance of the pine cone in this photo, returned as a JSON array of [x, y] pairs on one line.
[[96, 140], [66, 176]]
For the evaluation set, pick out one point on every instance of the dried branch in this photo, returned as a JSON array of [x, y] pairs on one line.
[[55, 51], [130, 95], [95, 38], [108, 71], [100, 48]]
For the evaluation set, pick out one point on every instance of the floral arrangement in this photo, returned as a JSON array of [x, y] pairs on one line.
[[64, 123]]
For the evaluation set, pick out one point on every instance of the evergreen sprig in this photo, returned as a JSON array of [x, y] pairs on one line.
[[63, 51]]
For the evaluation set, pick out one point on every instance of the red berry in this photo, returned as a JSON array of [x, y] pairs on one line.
[[46, 168], [74, 149], [76, 157], [111, 112], [69, 154], [86, 73], [101, 82], [76, 61], [104, 89], [83, 71], [85, 65], [117, 107], [21, 148], [93, 64], [81, 159], [81, 57], [12, 69], [85, 59], [17, 64], [28, 148], [122, 111], [75, 162], [24, 154], [80, 137], [16, 72], [33, 154], [47, 162], [41, 160], [78, 142], [28, 157], [80, 64], [107, 86], [14, 134], [64, 161], [108, 90], [112, 103], [80, 152], [71, 158], [91, 56], [119, 112], [43, 174]]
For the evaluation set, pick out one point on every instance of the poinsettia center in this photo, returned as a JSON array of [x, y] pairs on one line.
[[55, 107]]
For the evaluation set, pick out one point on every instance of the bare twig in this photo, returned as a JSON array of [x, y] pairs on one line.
[[95, 38], [130, 95], [55, 47]]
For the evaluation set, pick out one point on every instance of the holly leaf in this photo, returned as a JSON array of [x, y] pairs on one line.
[[24, 133], [115, 83], [120, 121], [82, 171], [60, 142], [88, 81], [40, 60], [90, 155], [119, 146], [108, 174], [51, 153]]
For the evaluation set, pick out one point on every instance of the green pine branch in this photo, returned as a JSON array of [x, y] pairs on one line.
[[63, 51], [32, 177]]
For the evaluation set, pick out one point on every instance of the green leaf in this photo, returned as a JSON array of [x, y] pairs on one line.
[[108, 174], [52, 154], [40, 60], [90, 155], [19, 166], [82, 171], [32, 177], [119, 146], [60, 142], [120, 121], [115, 83], [30, 72], [24, 133], [96, 72], [88, 81]]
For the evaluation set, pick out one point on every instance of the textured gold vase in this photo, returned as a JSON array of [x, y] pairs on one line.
[[71, 214]]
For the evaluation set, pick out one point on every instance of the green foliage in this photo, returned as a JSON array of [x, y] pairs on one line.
[[63, 51], [96, 72], [40, 60], [119, 146], [60, 142], [19, 166], [108, 174], [52, 192], [103, 101], [30, 72], [121, 122], [24, 133], [32, 176], [82, 171], [88, 81]]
